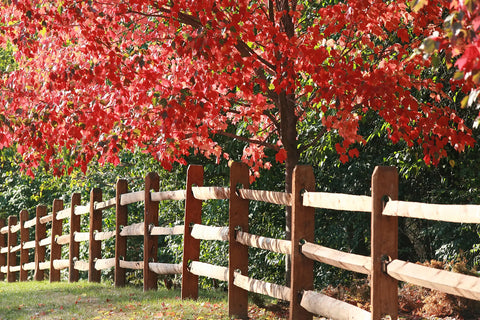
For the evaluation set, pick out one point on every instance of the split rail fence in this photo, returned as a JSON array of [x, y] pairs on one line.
[[383, 266]]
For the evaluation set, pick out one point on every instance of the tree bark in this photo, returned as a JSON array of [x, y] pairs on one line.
[[288, 119]]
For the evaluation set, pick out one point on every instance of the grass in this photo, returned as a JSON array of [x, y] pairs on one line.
[[83, 300]]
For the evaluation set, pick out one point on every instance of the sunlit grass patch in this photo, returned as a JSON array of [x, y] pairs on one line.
[[83, 300]]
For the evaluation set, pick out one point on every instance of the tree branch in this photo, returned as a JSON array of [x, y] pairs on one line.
[[245, 139], [314, 141]]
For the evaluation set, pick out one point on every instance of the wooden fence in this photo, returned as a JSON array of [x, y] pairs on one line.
[[383, 266]]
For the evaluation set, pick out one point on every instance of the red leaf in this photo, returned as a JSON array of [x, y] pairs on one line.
[[281, 156], [403, 35]]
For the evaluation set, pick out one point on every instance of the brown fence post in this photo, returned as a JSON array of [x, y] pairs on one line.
[[40, 233], [150, 243], [74, 247], [11, 256], [384, 229], [238, 253], [121, 217], [94, 247], [3, 256], [24, 237], [191, 246], [303, 229], [55, 248]]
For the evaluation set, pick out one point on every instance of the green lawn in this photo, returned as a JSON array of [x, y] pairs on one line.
[[83, 300]]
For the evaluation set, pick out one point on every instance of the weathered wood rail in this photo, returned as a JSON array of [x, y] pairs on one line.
[[383, 266]]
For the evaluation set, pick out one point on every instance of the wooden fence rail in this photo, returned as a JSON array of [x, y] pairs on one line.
[[383, 266]]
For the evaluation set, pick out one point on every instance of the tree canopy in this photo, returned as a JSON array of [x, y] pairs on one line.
[[94, 77]]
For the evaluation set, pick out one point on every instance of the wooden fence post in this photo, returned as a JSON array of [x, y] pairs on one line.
[[3, 244], [24, 237], [40, 233], [303, 229], [74, 247], [121, 219], [150, 243], [384, 243], [11, 256], [238, 253], [94, 247], [55, 248], [191, 246]]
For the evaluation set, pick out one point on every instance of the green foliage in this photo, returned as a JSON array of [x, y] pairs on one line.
[[7, 62]]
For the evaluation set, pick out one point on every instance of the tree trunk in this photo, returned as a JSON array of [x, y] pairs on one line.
[[288, 120]]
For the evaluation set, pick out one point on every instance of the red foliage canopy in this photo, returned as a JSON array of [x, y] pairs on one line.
[[98, 76]]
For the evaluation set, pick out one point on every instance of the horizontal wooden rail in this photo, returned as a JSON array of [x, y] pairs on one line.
[[209, 270], [4, 230], [168, 195], [105, 204], [163, 231], [47, 218], [331, 308], [63, 239], [271, 244], [15, 268], [136, 229], [466, 213], [337, 201], [4, 250], [211, 193], [29, 244], [165, 268], [275, 197], [30, 223], [339, 259], [132, 197], [63, 214], [29, 266], [15, 248], [61, 264], [81, 236], [15, 228], [135, 265], [203, 232], [45, 242], [81, 265], [102, 264], [44, 265], [266, 288], [100, 236], [445, 281], [81, 210], [4, 269]]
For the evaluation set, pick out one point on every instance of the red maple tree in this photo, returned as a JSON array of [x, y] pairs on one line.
[[460, 41], [95, 77]]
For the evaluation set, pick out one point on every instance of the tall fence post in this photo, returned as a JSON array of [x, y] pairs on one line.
[[384, 229], [121, 219], [24, 237], [40, 233], [55, 248], [3, 244], [238, 253], [11, 256], [303, 229], [150, 243], [74, 247], [191, 246], [94, 247]]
